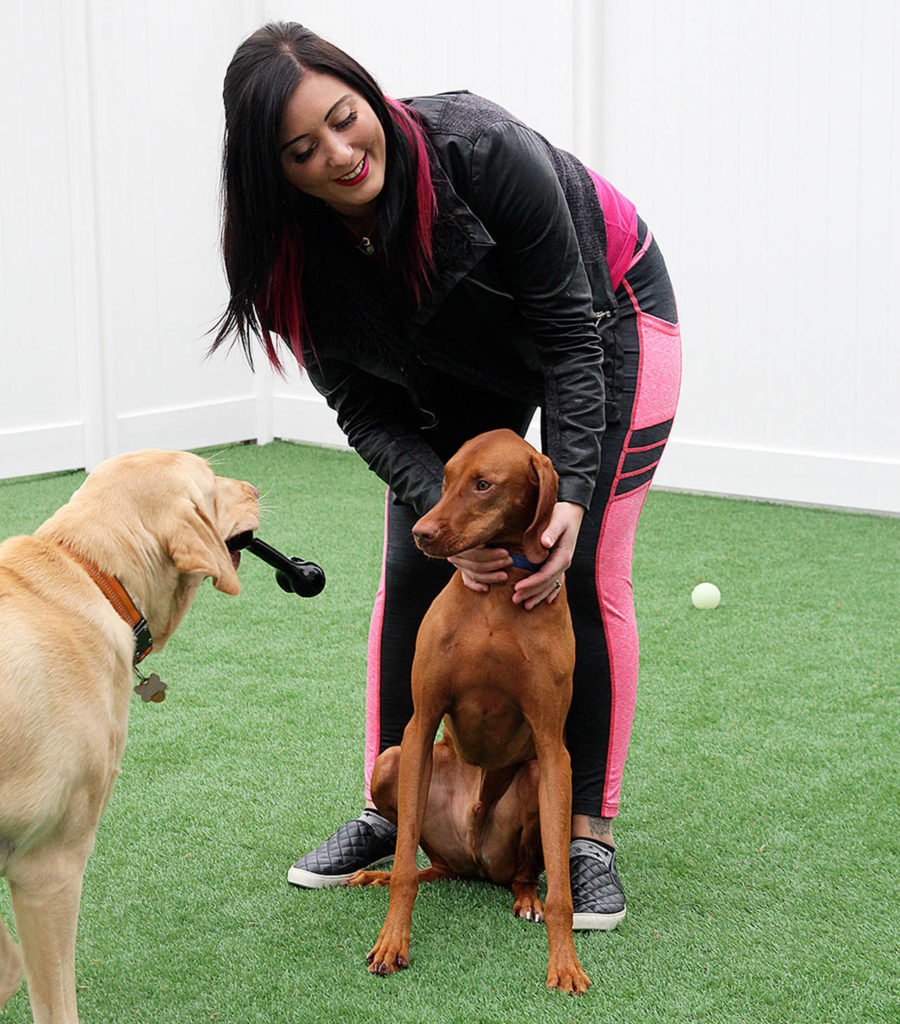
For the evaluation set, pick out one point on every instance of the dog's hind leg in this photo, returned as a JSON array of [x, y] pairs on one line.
[[521, 805], [10, 966]]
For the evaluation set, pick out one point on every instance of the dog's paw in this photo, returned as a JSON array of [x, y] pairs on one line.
[[383, 961], [568, 978], [529, 908], [369, 878]]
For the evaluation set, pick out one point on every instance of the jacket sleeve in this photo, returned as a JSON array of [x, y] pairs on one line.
[[379, 422], [518, 196]]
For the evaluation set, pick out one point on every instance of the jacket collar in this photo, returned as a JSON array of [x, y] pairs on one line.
[[459, 243]]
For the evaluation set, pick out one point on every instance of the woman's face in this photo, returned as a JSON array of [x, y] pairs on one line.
[[332, 145]]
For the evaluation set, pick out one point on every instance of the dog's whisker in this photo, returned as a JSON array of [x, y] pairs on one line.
[[216, 458]]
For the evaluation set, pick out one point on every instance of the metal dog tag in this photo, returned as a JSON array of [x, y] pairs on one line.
[[151, 688]]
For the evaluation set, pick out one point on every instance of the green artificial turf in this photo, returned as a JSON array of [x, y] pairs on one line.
[[758, 838]]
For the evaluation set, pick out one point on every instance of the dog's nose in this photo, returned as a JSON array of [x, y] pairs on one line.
[[424, 532]]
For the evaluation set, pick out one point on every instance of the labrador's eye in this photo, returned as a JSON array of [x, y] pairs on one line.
[[483, 485]]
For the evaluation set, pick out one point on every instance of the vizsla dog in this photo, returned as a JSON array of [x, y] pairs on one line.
[[106, 578], [501, 678]]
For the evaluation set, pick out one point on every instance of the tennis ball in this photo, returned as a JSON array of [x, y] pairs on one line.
[[706, 595]]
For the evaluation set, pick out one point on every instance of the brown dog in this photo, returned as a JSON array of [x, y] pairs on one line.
[[142, 532], [501, 678]]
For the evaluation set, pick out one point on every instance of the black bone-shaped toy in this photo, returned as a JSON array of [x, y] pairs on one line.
[[293, 575]]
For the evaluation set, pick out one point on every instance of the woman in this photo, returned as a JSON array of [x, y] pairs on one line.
[[440, 269]]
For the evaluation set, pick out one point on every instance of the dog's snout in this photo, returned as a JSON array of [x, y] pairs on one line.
[[424, 532]]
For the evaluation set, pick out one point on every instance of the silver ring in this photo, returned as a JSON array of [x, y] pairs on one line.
[[558, 584]]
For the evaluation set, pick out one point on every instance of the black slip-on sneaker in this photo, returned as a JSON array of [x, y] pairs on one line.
[[597, 895], [366, 843]]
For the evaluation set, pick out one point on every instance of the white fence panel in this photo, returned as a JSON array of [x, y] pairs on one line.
[[759, 141]]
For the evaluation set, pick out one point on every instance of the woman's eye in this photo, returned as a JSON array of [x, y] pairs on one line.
[[301, 158], [483, 485]]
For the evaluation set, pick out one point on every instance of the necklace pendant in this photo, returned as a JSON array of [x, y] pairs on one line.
[[365, 246]]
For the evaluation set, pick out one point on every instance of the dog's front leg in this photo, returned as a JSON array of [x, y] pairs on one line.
[[555, 801], [391, 951], [46, 893]]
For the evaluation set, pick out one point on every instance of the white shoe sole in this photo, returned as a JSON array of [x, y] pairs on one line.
[[308, 880], [596, 922]]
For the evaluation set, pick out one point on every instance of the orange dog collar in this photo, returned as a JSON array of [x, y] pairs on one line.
[[118, 597]]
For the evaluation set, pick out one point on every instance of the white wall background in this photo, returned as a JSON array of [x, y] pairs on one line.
[[760, 141]]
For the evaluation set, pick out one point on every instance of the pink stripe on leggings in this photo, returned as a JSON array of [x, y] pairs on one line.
[[616, 596], [656, 397], [637, 256], [373, 669]]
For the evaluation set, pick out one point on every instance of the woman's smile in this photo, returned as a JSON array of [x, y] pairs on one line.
[[358, 174]]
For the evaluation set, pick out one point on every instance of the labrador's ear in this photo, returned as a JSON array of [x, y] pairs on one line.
[[547, 487], [196, 547]]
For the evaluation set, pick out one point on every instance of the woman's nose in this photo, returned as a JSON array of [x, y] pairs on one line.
[[339, 153]]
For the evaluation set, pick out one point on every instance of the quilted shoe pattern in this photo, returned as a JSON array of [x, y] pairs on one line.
[[597, 894], [365, 843]]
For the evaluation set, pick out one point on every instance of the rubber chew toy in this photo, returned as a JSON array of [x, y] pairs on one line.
[[293, 575]]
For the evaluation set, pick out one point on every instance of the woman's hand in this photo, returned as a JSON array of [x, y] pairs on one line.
[[483, 567], [559, 538]]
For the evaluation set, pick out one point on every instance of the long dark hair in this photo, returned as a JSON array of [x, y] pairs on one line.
[[264, 216]]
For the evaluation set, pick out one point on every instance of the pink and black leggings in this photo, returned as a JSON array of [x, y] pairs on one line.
[[598, 581]]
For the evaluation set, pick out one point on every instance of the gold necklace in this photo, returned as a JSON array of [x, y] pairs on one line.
[[363, 243]]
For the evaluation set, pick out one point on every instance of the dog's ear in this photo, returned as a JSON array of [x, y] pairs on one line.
[[196, 547], [548, 485]]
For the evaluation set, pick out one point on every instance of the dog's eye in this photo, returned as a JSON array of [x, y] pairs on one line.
[[483, 485]]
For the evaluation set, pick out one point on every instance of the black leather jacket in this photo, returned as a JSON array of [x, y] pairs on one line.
[[520, 291]]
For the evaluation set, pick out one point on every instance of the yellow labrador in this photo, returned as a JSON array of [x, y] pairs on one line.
[[108, 576]]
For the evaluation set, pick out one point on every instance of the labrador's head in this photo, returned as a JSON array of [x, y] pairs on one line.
[[159, 521]]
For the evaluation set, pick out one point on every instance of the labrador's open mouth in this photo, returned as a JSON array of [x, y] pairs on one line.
[[236, 544]]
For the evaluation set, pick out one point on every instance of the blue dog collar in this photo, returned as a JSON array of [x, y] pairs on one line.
[[521, 562]]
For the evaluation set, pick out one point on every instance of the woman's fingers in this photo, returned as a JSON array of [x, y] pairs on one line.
[[560, 537], [482, 566], [543, 585]]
